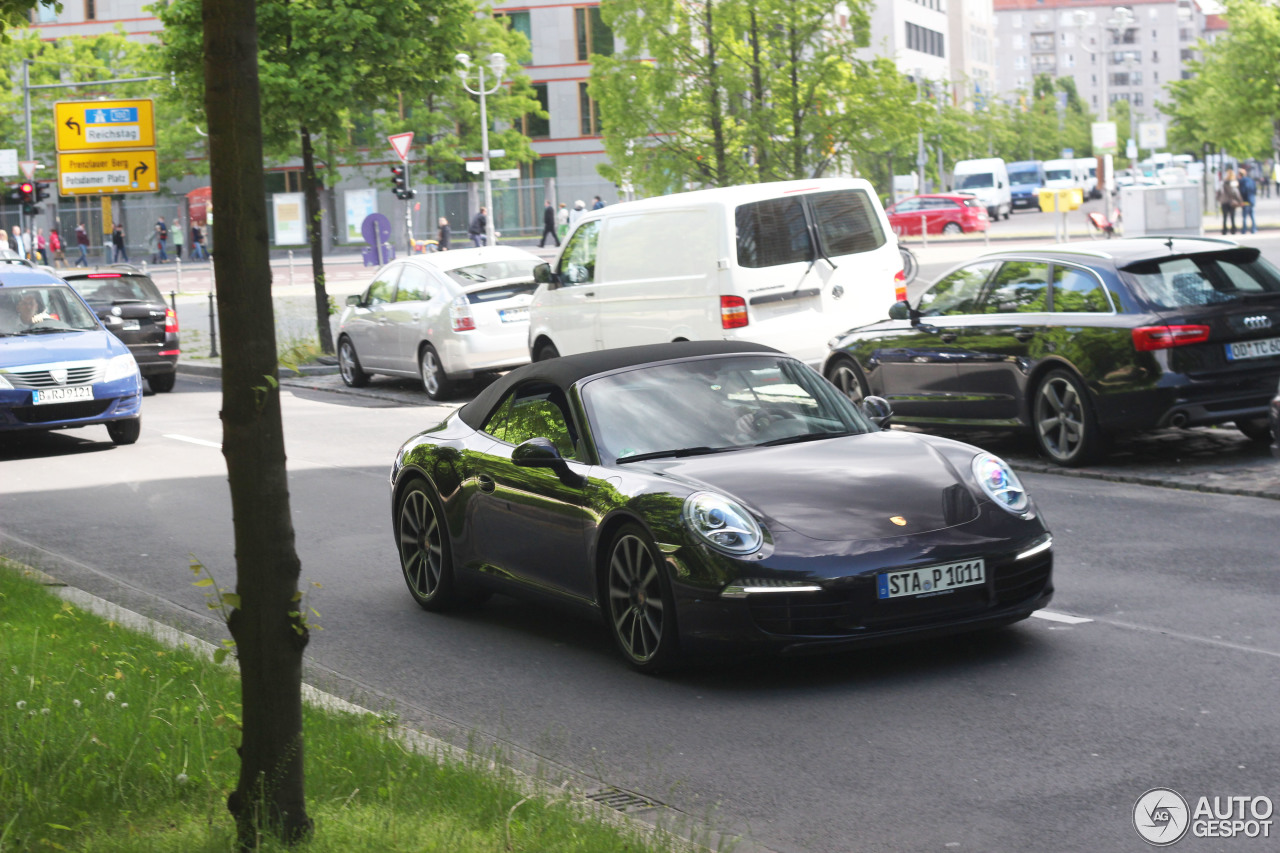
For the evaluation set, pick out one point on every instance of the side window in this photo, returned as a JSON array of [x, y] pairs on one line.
[[579, 263], [413, 285], [1077, 291], [383, 288], [496, 425], [772, 232], [959, 292], [908, 205], [847, 222], [1021, 287], [539, 411]]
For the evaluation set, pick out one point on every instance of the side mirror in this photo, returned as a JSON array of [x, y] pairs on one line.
[[353, 299], [542, 274], [900, 311], [541, 452], [877, 410]]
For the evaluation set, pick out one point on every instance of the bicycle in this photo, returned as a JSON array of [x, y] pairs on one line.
[[910, 266]]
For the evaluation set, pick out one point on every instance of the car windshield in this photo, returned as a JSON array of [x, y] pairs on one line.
[[116, 288], [1030, 176], [1206, 279], [981, 180], [494, 270], [712, 404], [1057, 174], [35, 309]]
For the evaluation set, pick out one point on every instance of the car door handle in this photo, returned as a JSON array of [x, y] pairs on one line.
[[589, 293], [947, 337], [487, 484], [1024, 335]]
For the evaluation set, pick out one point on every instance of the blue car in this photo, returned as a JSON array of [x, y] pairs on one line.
[[59, 366]]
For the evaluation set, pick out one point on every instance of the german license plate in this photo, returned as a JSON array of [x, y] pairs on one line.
[[132, 326], [61, 395], [513, 315], [1253, 349], [931, 580]]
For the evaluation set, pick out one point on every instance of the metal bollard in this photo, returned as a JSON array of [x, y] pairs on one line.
[[924, 231], [291, 267], [177, 265], [173, 301], [213, 330]]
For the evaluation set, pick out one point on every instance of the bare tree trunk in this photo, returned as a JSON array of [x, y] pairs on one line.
[[759, 109], [269, 642], [719, 148], [314, 218]]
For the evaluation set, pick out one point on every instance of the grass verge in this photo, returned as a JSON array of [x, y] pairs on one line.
[[112, 741]]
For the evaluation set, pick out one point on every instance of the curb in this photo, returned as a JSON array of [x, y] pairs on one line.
[[215, 370]]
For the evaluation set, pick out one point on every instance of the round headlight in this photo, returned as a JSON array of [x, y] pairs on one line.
[[723, 524], [1000, 483]]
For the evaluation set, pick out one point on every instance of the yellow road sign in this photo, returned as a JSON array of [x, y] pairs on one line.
[[105, 125], [90, 173]]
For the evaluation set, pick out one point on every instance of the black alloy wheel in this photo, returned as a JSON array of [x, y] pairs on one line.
[[349, 365], [1256, 429], [435, 381], [424, 548], [639, 605], [125, 432], [161, 383], [845, 374], [1064, 423]]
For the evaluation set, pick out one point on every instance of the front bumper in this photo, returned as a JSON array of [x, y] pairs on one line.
[[112, 401]]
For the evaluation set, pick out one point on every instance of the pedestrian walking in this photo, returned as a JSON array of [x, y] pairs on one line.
[[176, 239], [562, 221], [162, 240], [41, 249], [55, 246], [599, 203], [1229, 198], [579, 208], [117, 245], [1249, 196], [17, 242], [82, 243], [478, 229], [443, 235], [198, 252], [548, 225]]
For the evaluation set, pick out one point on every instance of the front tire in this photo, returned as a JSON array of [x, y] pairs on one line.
[[844, 373], [1256, 429], [435, 381], [425, 558], [349, 365], [546, 351], [1065, 427], [954, 228], [125, 432], [638, 605]]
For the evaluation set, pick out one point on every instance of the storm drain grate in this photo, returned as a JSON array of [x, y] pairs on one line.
[[623, 801]]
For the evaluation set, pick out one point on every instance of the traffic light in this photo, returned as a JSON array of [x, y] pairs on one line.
[[42, 191], [400, 183], [27, 195]]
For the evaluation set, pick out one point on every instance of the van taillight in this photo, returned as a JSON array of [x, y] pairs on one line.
[[733, 312], [460, 315], [170, 322], [900, 286], [1147, 338]]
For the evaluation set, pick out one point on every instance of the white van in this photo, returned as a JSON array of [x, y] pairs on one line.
[[1066, 175], [1090, 167], [787, 264], [988, 179]]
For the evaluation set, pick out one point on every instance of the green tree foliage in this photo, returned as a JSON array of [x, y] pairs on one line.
[[320, 62], [1233, 101]]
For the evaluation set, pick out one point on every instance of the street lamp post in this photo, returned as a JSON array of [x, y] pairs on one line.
[[497, 64], [1122, 18]]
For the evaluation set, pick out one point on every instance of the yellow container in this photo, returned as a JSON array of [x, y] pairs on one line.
[[1060, 200]]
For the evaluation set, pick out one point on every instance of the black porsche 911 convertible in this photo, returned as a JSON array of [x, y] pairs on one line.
[[708, 496]]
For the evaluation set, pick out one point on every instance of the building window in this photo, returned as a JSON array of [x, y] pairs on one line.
[[45, 13], [1187, 55], [925, 40], [1042, 42], [594, 35], [531, 124], [517, 21], [588, 112], [90, 10]]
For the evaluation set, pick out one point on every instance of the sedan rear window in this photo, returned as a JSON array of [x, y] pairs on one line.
[[496, 294], [494, 271], [1207, 279]]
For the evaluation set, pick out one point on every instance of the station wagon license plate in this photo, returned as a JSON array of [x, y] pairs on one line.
[[931, 580], [132, 326], [513, 315], [1253, 349], [61, 395]]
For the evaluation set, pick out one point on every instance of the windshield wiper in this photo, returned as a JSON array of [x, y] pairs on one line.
[[807, 436], [45, 330], [678, 452]]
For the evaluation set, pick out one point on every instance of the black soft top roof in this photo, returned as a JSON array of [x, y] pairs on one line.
[[565, 371]]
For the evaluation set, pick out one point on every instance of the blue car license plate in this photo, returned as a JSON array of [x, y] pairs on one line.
[[61, 395], [931, 580]]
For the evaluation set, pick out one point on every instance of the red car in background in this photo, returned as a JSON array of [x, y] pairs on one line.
[[943, 213]]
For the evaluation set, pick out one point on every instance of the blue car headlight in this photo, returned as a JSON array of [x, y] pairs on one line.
[[722, 523], [1000, 483], [120, 367]]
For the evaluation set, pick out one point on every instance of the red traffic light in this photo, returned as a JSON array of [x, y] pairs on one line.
[[26, 188]]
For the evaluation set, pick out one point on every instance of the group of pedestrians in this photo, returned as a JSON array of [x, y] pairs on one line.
[[36, 247], [557, 222], [1238, 191], [159, 241]]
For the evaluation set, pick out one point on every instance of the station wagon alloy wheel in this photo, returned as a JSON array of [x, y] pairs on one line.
[[1064, 424], [422, 549], [639, 602]]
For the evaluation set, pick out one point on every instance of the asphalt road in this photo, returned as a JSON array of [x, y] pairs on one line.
[[1036, 737]]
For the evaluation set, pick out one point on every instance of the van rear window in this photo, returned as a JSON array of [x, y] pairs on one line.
[[776, 231]]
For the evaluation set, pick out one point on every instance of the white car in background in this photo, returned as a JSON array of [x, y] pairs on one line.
[[442, 317]]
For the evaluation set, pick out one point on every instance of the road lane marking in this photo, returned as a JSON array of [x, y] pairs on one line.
[[1060, 617], [199, 441]]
